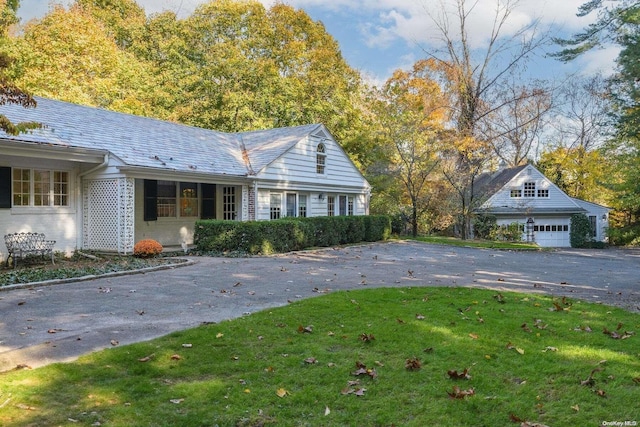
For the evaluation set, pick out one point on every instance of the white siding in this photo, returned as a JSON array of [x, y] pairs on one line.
[[557, 198], [299, 165]]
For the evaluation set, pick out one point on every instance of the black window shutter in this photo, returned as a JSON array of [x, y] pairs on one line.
[[150, 200], [5, 188], [208, 201]]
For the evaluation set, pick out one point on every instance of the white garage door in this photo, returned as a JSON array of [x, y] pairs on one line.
[[552, 233]]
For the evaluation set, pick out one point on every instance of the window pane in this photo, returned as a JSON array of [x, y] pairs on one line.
[[21, 184], [516, 193], [320, 158], [275, 205], [167, 199], [342, 207], [302, 205], [291, 204], [529, 189], [188, 199], [60, 188], [350, 206], [331, 205]]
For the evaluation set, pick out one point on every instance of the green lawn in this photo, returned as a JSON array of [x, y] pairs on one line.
[[478, 243], [342, 359]]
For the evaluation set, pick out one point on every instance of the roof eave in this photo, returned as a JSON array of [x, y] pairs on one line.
[[17, 147], [145, 172]]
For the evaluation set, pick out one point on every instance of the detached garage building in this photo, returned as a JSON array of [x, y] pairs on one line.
[[524, 195]]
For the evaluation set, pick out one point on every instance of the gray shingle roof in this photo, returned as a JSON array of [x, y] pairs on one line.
[[145, 142]]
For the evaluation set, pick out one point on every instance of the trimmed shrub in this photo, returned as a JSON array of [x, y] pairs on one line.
[[147, 248], [508, 233], [288, 234], [581, 234], [483, 225]]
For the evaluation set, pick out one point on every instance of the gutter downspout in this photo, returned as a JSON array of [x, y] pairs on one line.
[[79, 201]]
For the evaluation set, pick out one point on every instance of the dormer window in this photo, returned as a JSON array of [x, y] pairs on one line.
[[321, 158]]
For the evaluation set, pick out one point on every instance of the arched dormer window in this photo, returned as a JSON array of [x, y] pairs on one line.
[[321, 158]]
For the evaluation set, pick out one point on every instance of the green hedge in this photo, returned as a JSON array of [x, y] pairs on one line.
[[289, 234]]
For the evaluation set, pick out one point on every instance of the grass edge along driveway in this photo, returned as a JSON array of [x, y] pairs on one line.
[[388, 356]]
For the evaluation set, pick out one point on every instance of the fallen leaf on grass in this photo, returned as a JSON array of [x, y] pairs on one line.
[[590, 381], [419, 317], [412, 364], [310, 360], [601, 393], [360, 391], [499, 298], [281, 392], [361, 369], [176, 357], [176, 401], [146, 358], [515, 419], [457, 393], [25, 407], [366, 337], [464, 375], [327, 411], [576, 408], [474, 336], [616, 336], [114, 342], [305, 329], [549, 348], [513, 347]]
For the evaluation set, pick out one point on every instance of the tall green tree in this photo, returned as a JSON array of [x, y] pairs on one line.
[[10, 93], [617, 23]]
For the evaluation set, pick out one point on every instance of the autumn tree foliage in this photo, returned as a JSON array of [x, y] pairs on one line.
[[477, 79], [413, 111]]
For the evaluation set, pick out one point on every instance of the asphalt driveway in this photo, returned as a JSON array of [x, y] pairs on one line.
[[45, 324]]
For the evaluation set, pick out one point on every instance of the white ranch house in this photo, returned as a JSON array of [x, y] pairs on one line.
[[100, 180], [524, 195]]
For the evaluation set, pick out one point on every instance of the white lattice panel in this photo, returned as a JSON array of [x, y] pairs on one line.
[[108, 220], [126, 218], [245, 203]]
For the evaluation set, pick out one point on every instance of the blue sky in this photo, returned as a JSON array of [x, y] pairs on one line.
[[379, 36]]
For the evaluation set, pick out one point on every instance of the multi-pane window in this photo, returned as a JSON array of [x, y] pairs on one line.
[[275, 205], [60, 188], [321, 158], [342, 205], [529, 189], [543, 192], [516, 193], [21, 187], [350, 206], [291, 204], [229, 203], [166, 199], [188, 199], [331, 205], [40, 187], [302, 205]]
